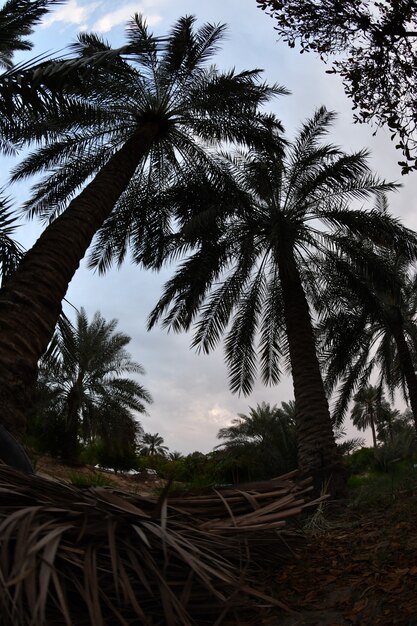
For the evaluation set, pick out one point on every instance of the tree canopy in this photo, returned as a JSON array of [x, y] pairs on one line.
[[373, 46]]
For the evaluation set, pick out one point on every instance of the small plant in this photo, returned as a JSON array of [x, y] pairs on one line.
[[89, 480]]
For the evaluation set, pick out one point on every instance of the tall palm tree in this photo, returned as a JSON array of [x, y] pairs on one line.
[[259, 281], [369, 409], [144, 121], [84, 369], [152, 444]]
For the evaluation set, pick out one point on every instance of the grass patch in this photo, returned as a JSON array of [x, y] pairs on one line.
[[90, 480], [381, 488]]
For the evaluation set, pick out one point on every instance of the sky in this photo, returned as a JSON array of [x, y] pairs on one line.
[[192, 400]]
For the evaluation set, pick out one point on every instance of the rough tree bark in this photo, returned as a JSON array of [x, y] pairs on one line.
[[317, 452]]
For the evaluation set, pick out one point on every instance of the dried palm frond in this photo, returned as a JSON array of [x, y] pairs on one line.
[[99, 556]]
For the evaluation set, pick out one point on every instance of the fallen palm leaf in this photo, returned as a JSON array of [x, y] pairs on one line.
[[99, 556]]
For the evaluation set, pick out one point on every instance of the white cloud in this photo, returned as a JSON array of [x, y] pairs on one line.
[[71, 13], [120, 16]]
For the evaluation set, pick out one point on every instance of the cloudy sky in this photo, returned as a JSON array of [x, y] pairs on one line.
[[191, 396]]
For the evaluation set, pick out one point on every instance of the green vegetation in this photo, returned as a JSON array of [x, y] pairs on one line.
[[262, 444], [90, 480]]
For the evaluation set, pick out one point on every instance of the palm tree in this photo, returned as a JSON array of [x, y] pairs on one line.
[[152, 445], [375, 330], [260, 279], [143, 121], [175, 456], [84, 369], [264, 440], [369, 409]]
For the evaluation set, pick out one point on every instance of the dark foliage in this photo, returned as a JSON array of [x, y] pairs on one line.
[[374, 45]]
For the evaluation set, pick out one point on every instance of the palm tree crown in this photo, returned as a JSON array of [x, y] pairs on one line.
[[187, 104], [374, 330], [152, 444], [265, 439]]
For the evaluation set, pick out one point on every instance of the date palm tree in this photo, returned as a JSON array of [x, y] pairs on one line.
[[144, 121], [153, 444], [266, 436], [84, 370], [369, 409], [257, 284], [376, 331]]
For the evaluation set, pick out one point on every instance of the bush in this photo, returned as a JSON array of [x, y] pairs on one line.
[[361, 460], [402, 446]]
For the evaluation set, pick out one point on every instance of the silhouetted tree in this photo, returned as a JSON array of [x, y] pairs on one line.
[[375, 48]]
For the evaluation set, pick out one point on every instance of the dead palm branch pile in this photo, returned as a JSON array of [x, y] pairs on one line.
[[100, 556]]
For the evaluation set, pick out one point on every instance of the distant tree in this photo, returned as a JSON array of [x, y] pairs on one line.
[[83, 373], [369, 409], [375, 48], [152, 444], [395, 424], [175, 456], [266, 438]]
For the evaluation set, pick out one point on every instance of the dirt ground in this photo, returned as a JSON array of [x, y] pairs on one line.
[[361, 571]]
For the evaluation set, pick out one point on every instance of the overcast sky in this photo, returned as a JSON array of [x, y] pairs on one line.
[[191, 396]]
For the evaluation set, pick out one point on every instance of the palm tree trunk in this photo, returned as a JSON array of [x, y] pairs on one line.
[[407, 368], [317, 451], [70, 449], [372, 424], [30, 302]]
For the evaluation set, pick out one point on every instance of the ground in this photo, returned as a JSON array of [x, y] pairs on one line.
[[354, 566], [360, 571]]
